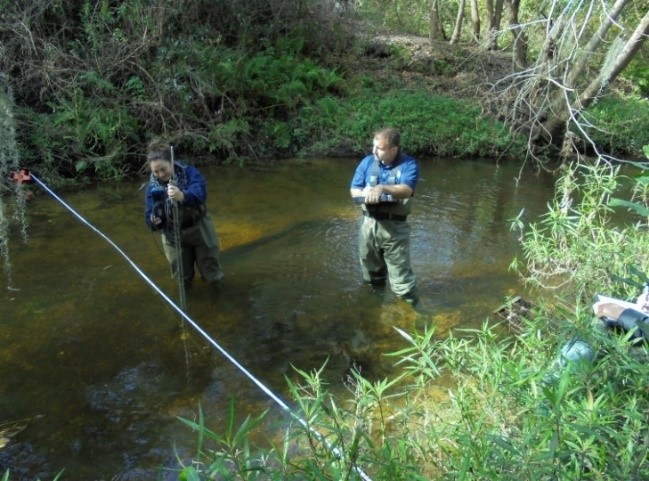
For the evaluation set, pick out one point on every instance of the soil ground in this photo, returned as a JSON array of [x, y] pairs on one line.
[[458, 70]]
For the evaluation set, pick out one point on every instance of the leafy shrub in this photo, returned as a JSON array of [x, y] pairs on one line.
[[576, 250], [638, 73], [410, 16], [477, 405], [215, 75], [429, 124], [622, 124]]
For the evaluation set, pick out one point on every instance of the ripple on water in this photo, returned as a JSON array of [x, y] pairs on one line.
[[89, 343]]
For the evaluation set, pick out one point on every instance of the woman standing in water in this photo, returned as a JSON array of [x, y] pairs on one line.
[[176, 182]]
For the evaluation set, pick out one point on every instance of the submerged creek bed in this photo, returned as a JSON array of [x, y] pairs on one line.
[[97, 367]]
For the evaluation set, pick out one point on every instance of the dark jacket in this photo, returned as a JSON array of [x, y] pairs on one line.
[[191, 209]]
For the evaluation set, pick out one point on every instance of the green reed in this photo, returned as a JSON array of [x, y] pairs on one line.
[[508, 412]]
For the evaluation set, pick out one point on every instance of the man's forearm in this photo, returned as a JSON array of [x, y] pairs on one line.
[[397, 191]]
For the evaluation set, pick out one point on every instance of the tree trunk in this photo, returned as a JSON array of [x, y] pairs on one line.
[[435, 32], [554, 128], [519, 49], [457, 30], [494, 18], [608, 73], [595, 42], [475, 20]]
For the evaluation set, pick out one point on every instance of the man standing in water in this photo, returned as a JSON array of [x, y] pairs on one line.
[[385, 184], [181, 183]]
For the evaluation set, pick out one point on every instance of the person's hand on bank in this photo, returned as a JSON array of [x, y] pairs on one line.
[[607, 309]]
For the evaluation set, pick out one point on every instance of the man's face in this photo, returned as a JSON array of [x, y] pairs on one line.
[[383, 151], [161, 169]]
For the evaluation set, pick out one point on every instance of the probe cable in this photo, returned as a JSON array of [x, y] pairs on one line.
[[334, 450]]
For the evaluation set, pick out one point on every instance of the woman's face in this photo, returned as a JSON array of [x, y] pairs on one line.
[[161, 169]]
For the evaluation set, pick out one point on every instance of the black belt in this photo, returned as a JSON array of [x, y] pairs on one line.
[[385, 216], [192, 217]]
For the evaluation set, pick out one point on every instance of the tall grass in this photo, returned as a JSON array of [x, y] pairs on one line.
[[429, 124], [508, 413]]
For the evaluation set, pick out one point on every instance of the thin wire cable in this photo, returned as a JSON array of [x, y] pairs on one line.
[[201, 331]]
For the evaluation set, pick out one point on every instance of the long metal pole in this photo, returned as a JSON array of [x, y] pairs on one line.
[[176, 234]]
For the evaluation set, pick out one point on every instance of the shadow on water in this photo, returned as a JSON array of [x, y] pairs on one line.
[[97, 367]]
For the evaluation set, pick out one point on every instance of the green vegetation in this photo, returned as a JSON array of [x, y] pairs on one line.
[[9, 163], [233, 81], [396, 15], [430, 124], [575, 248], [622, 124], [218, 79], [510, 413], [638, 75]]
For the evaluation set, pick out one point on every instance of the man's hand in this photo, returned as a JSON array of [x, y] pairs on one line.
[[373, 194]]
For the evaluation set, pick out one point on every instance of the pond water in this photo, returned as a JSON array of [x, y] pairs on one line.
[[95, 367]]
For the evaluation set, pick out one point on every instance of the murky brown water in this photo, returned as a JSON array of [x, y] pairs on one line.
[[93, 364]]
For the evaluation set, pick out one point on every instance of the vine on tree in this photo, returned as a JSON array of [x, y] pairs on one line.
[[9, 163]]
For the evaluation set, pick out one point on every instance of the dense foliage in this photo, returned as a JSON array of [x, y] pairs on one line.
[[620, 126], [430, 124], [93, 80]]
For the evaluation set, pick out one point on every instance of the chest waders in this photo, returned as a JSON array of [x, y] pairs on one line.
[[395, 174], [384, 246], [386, 210]]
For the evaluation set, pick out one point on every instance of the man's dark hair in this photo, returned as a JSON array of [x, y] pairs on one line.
[[391, 135]]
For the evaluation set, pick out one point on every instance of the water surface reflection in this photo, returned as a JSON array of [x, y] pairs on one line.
[[96, 367]]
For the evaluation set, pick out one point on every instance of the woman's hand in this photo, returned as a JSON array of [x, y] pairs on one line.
[[175, 193]]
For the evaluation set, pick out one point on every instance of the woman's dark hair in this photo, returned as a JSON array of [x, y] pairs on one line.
[[158, 149]]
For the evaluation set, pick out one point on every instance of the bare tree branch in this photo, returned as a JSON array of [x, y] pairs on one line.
[[545, 101]]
